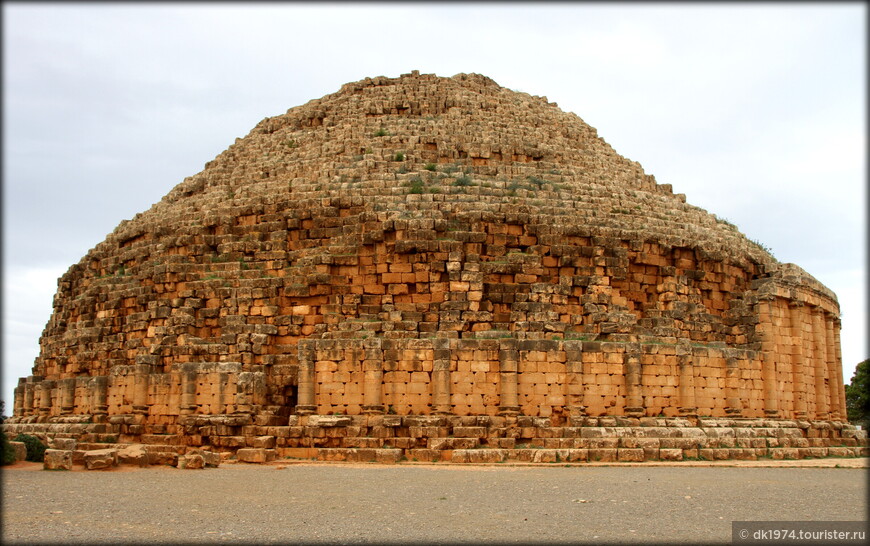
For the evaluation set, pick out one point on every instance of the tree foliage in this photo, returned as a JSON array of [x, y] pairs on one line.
[[858, 395]]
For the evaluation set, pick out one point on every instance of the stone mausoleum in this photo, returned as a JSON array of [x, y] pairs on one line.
[[436, 269]]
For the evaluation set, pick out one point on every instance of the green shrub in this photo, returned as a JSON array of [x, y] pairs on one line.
[[35, 447], [462, 181], [381, 132], [429, 166], [399, 157], [416, 185], [8, 456]]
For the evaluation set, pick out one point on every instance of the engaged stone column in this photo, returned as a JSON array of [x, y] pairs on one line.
[[99, 389], [575, 380], [140, 388], [441, 378], [687, 407], [838, 359], [21, 397], [508, 357], [834, 378], [29, 397], [44, 389], [306, 405], [189, 380], [67, 395], [373, 372], [798, 370], [819, 357], [18, 397], [768, 358], [633, 386], [732, 387]]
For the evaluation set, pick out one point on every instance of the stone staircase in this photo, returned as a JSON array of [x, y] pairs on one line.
[[461, 439]]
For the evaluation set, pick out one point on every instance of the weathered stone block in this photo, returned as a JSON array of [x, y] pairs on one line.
[[479, 455], [101, 459], [57, 459], [267, 442], [169, 458], [670, 454], [133, 455], [630, 455], [191, 461], [256, 455], [329, 420], [67, 444], [19, 449]]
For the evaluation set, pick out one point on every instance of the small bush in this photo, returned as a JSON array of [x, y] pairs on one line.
[[8, 456], [416, 185], [35, 447], [381, 132], [429, 166], [399, 157], [539, 182], [462, 181]]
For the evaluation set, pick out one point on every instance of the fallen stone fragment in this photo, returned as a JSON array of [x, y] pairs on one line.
[[57, 459], [100, 459]]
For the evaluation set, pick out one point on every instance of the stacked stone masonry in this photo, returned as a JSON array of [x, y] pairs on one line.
[[445, 250]]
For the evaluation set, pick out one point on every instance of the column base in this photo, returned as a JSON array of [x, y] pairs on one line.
[[688, 412], [771, 413], [733, 412], [306, 410], [508, 410], [634, 412], [373, 410], [142, 410]]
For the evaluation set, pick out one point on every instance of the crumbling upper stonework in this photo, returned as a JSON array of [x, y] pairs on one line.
[[424, 246]]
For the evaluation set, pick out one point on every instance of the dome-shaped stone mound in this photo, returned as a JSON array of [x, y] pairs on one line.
[[421, 247]]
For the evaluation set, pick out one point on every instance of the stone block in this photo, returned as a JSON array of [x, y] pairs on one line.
[[670, 454], [452, 443], [267, 442], [19, 449], [133, 455], [329, 421], [68, 444], [424, 455], [578, 454], [169, 458], [545, 456], [630, 454], [479, 455], [386, 455], [101, 459], [256, 455], [469, 432], [57, 459], [78, 456], [191, 461]]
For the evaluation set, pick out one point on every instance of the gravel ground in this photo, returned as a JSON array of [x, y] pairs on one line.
[[342, 503]]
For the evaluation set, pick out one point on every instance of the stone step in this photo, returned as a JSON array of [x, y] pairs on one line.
[[452, 443], [384, 455]]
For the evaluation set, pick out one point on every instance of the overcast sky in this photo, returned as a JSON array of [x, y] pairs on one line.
[[756, 112]]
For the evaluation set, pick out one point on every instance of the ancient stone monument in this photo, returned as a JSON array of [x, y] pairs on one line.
[[436, 269]]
